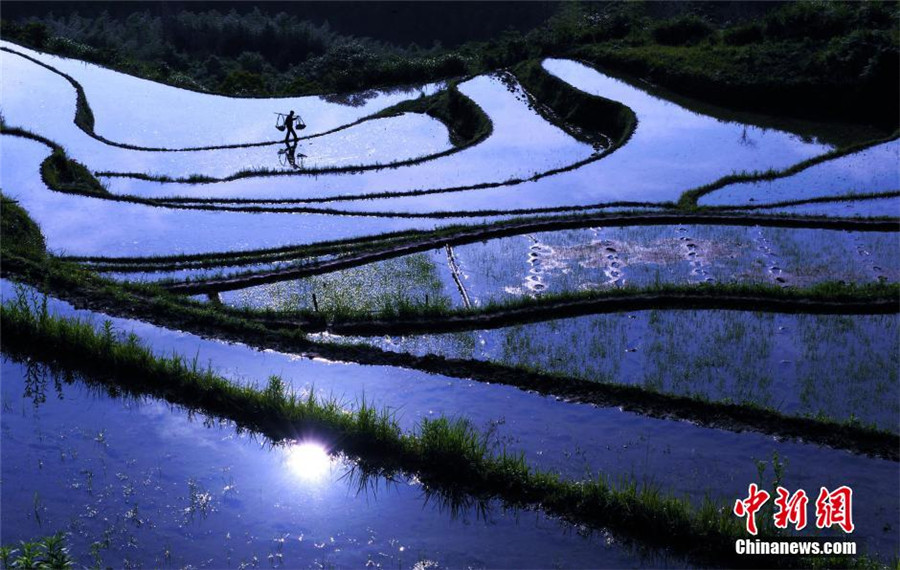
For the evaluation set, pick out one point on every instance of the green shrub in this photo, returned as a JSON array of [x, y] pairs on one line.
[[243, 82], [36, 33], [744, 34], [465, 120], [812, 19], [684, 30]]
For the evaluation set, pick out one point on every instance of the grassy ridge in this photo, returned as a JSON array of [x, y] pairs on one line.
[[445, 453], [84, 116], [409, 317], [58, 171], [689, 199], [20, 235], [588, 114], [467, 122], [63, 174]]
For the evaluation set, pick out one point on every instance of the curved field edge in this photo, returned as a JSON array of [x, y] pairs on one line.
[[84, 119], [448, 455], [208, 204], [601, 122], [63, 174], [470, 128], [689, 199], [479, 234], [465, 120], [830, 298], [589, 118], [363, 250], [686, 204], [88, 185]]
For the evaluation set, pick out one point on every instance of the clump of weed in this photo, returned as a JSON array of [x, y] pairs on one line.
[[63, 174], [467, 122], [49, 552], [19, 234]]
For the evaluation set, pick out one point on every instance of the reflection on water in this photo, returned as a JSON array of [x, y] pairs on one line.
[[355, 99], [78, 225], [135, 482], [288, 155], [360, 98], [870, 170], [308, 460]]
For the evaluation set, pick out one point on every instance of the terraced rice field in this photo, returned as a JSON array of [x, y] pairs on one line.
[[681, 309]]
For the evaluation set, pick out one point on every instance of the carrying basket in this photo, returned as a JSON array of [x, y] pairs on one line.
[[299, 124]]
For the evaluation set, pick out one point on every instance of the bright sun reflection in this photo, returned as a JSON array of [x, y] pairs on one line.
[[308, 461]]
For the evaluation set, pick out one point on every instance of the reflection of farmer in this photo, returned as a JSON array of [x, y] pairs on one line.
[[290, 153], [289, 124]]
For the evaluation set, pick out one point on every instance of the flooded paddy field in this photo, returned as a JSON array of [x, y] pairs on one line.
[[870, 170], [874, 207], [207, 246], [32, 99], [802, 365], [571, 261], [83, 225], [138, 112]]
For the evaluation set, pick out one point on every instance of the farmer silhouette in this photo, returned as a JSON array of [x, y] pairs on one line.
[[289, 127]]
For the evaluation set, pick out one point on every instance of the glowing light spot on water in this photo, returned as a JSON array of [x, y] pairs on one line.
[[308, 461]]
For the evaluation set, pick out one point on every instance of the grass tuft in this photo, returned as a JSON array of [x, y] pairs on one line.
[[19, 234]]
